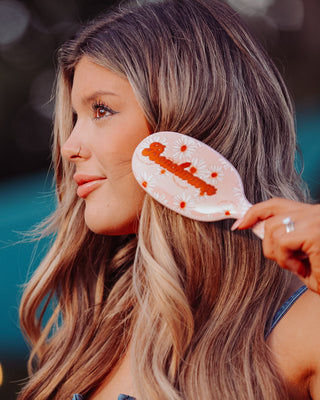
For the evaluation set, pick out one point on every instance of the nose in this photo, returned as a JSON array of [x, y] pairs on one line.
[[73, 148], [70, 151]]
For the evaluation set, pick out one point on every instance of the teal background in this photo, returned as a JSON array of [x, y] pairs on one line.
[[24, 202], [308, 127]]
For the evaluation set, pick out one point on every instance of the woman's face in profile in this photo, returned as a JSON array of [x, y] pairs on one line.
[[109, 125]]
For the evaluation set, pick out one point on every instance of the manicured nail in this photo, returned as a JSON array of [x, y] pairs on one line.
[[236, 224]]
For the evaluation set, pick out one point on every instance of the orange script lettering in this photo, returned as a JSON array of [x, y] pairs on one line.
[[154, 151]]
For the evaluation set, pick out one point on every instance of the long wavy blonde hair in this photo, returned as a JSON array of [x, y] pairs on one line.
[[193, 299]]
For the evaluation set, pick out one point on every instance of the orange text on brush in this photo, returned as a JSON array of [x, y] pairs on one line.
[[154, 151]]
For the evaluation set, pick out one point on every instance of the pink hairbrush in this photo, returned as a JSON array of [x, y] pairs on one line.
[[190, 178]]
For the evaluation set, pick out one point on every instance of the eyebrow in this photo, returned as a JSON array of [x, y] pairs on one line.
[[96, 95]]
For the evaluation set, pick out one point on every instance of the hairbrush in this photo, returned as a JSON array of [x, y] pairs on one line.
[[190, 178]]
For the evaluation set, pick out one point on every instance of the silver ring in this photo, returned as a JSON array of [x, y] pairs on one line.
[[288, 223]]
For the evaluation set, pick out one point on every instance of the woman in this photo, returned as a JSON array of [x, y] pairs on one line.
[[145, 302]]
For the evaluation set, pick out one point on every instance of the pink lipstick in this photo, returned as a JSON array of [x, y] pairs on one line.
[[87, 183]]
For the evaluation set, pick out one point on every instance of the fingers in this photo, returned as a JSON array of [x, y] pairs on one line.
[[312, 279], [265, 210], [297, 267], [277, 244], [296, 249]]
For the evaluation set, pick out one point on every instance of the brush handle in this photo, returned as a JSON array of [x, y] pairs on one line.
[[258, 229], [244, 205]]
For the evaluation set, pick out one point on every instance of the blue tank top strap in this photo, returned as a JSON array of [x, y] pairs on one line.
[[285, 308]]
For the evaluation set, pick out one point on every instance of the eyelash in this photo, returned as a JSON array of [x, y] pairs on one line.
[[107, 110]]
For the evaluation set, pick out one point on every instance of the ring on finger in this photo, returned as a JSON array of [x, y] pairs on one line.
[[289, 225]]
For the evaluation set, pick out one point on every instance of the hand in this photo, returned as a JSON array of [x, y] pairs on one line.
[[298, 250]]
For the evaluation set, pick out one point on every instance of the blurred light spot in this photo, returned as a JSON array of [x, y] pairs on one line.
[[40, 93], [14, 20], [31, 51], [1, 375], [251, 7], [288, 15]]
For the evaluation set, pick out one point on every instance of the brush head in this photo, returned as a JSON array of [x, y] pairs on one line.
[[189, 177]]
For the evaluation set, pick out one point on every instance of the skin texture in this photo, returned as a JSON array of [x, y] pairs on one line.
[[295, 347], [298, 251], [109, 125]]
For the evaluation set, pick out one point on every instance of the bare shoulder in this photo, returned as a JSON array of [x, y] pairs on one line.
[[295, 343]]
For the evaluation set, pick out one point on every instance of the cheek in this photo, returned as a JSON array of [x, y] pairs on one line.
[[116, 161], [129, 196], [116, 209]]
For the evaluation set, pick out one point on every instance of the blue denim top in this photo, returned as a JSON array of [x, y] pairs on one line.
[[285, 308]]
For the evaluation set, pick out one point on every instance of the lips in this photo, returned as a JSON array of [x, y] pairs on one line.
[[87, 183]]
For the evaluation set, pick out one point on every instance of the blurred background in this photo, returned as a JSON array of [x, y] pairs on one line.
[[31, 31]]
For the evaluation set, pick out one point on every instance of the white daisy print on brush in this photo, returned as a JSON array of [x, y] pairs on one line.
[[183, 203], [215, 173], [198, 167], [160, 197], [184, 148], [146, 181]]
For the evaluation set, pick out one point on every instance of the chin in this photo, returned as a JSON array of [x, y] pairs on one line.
[[110, 229]]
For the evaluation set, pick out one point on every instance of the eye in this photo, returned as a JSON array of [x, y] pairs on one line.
[[101, 110]]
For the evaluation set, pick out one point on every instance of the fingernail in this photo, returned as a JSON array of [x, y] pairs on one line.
[[236, 224]]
